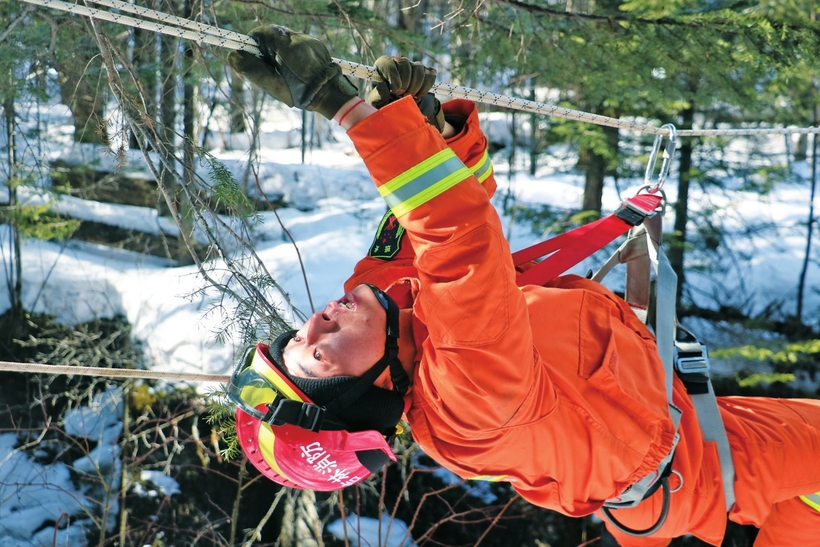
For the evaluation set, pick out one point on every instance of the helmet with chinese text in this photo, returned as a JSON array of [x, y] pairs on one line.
[[320, 434]]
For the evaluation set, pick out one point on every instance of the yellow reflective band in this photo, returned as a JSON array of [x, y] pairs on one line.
[[484, 168], [488, 478], [812, 500], [423, 182], [266, 440]]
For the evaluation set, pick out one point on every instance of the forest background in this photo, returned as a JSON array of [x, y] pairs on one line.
[[703, 64]]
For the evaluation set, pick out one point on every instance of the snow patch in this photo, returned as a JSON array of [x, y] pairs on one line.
[[367, 531], [37, 500]]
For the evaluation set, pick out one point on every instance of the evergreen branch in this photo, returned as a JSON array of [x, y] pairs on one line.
[[719, 22], [148, 134], [16, 22]]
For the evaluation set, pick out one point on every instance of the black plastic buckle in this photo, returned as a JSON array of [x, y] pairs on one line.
[[287, 411], [692, 365], [688, 361], [632, 214]]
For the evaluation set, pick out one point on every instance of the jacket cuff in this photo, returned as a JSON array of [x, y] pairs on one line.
[[470, 135], [388, 124]]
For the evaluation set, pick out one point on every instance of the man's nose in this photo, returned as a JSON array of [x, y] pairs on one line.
[[319, 324]]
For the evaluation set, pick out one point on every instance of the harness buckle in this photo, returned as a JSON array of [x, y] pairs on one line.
[[287, 411], [632, 214], [692, 358]]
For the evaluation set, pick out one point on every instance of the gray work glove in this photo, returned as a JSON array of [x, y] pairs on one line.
[[296, 69], [402, 77]]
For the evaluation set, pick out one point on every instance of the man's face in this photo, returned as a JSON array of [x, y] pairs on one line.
[[344, 339]]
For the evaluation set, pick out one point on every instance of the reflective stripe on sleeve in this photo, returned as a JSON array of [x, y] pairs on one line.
[[812, 500], [484, 168], [489, 478], [421, 183]]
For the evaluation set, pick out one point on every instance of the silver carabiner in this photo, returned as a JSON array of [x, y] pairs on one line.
[[667, 159]]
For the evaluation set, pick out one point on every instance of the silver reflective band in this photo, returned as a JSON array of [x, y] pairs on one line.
[[812, 500]]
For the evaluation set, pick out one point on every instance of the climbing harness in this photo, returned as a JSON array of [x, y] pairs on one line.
[[207, 34], [679, 350]]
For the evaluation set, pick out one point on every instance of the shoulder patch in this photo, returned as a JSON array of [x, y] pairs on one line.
[[387, 242]]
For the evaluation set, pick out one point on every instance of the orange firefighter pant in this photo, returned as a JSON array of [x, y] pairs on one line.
[[776, 455]]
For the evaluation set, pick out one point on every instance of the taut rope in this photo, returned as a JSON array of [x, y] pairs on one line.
[[41, 368]]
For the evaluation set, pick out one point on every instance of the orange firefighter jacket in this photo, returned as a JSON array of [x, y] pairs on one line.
[[556, 389]]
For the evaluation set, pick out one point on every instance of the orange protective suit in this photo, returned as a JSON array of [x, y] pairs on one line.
[[557, 389]]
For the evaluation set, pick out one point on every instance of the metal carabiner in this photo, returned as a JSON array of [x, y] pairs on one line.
[[667, 159]]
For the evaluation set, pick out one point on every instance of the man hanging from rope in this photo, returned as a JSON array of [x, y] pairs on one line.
[[556, 389]]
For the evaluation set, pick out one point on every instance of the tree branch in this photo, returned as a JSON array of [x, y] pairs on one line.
[[14, 23], [719, 23]]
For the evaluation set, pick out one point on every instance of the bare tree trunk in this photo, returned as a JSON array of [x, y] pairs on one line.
[[801, 150], [185, 207], [801, 285], [596, 167], [533, 133], [594, 164], [677, 242], [15, 279], [167, 107], [303, 135], [237, 112]]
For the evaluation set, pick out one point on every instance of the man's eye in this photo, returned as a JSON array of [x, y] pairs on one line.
[[297, 338], [317, 355]]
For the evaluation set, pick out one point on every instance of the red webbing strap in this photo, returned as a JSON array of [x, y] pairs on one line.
[[570, 248]]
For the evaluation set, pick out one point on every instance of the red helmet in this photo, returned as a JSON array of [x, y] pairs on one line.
[[297, 443]]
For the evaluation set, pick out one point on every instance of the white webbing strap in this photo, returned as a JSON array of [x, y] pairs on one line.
[[642, 253], [671, 344], [692, 363]]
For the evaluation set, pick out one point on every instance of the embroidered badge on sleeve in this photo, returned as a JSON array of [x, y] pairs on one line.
[[387, 242]]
